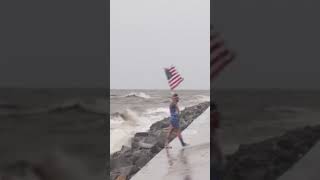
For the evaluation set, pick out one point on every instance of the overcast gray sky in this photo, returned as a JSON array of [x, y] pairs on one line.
[[277, 42], [148, 35], [53, 44]]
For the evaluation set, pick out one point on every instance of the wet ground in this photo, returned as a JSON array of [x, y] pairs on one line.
[[307, 168], [178, 163]]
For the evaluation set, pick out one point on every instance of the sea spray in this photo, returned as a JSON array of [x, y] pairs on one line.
[[139, 95], [145, 145], [134, 111]]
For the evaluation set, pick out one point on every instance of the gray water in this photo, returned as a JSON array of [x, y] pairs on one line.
[[135, 110], [253, 115], [37, 122], [140, 100]]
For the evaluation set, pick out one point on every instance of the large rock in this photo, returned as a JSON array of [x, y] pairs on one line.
[[145, 145], [269, 159], [160, 125]]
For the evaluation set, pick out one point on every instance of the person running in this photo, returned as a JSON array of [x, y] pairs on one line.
[[174, 120]]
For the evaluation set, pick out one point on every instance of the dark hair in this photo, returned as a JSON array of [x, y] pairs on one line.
[[175, 95]]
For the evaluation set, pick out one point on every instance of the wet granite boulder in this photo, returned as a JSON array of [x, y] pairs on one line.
[[165, 123], [145, 145], [269, 159]]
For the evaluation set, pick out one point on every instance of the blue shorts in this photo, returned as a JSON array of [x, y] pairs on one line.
[[174, 121]]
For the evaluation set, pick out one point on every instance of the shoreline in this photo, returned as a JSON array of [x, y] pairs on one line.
[[271, 158], [145, 145]]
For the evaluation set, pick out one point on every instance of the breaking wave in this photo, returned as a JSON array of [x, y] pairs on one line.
[[123, 125], [138, 95], [127, 116], [96, 107], [201, 98]]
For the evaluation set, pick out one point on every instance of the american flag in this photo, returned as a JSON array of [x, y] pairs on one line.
[[174, 78], [221, 56]]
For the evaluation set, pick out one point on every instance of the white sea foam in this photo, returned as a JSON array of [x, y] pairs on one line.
[[130, 117], [138, 94], [202, 98], [126, 124]]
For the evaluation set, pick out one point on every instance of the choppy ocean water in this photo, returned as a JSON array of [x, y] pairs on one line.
[[253, 115], [37, 122], [133, 111]]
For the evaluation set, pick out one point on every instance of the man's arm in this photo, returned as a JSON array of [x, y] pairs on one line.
[[177, 108]]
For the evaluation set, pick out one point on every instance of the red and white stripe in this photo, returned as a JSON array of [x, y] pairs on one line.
[[221, 56], [176, 79]]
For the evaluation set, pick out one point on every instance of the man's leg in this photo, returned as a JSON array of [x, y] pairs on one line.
[[180, 138], [168, 136]]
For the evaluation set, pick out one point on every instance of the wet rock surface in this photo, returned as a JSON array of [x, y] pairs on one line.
[[269, 159], [145, 145]]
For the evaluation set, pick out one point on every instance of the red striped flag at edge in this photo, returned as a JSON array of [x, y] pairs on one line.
[[173, 77]]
